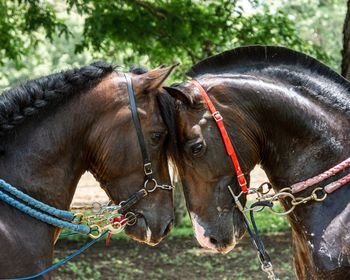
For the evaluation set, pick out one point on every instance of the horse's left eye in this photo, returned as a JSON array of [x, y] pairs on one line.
[[156, 137]]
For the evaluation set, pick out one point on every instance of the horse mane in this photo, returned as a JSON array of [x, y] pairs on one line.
[[257, 57], [32, 97], [312, 77]]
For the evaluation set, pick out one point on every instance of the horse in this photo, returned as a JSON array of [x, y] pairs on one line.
[[55, 128], [285, 111]]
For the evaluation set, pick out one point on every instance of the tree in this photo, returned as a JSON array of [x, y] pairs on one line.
[[184, 30], [19, 22], [152, 32], [345, 65], [319, 21]]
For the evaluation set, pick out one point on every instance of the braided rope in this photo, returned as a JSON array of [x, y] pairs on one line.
[[42, 216], [337, 184], [62, 214], [319, 178]]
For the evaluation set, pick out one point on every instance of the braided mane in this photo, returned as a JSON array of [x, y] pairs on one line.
[[30, 98]]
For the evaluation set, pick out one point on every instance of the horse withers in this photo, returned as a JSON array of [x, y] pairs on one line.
[[290, 114], [55, 128]]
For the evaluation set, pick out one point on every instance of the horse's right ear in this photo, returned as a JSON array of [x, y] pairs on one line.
[[179, 95], [152, 79]]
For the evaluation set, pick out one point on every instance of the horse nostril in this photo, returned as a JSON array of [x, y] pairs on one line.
[[213, 240], [168, 228]]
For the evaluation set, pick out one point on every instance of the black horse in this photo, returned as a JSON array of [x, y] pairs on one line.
[[285, 111], [55, 128]]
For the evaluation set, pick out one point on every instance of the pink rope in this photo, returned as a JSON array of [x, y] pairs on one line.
[[337, 184], [319, 178]]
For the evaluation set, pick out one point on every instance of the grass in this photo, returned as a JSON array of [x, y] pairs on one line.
[[178, 256]]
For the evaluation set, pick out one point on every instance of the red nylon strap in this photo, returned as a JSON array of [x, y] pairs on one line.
[[228, 145]]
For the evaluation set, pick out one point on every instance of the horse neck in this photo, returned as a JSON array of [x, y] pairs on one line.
[[299, 136], [47, 158]]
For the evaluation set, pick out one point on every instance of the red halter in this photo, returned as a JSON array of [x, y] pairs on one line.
[[228, 145]]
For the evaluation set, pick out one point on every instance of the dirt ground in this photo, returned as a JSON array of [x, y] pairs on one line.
[[178, 258]]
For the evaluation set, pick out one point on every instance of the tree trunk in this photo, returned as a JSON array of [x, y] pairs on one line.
[[345, 65]]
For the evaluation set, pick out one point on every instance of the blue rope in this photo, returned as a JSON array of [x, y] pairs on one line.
[[66, 259], [63, 235], [62, 214], [42, 216]]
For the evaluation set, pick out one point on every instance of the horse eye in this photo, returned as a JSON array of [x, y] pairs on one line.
[[197, 148], [156, 137]]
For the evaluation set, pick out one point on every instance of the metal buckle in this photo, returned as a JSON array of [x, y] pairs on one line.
[[147, 168], [245, 181], [217, 116]]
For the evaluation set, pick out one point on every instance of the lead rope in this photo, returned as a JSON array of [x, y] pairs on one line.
[[264, 258]]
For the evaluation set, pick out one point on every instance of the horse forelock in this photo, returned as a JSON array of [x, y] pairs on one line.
[[167, 106]]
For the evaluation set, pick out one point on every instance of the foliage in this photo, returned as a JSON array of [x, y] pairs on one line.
[[19, 21], [184, 30], [47, 56], [149, 32], [321, 22]]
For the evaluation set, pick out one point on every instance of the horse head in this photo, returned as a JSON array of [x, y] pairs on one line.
[[116, 156]]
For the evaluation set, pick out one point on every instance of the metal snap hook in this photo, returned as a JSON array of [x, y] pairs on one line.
[[97, 229]]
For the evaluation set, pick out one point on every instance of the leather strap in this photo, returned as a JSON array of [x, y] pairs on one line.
[[228, 144], [147, 166]]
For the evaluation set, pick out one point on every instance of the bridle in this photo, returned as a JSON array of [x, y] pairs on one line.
[[150, 184], [224, 135]]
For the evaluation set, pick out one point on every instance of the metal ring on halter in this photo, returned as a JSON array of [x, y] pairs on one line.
[[131, 218], [260, 189], [321, 198], [95, 228], [283, 194], [154, 187]]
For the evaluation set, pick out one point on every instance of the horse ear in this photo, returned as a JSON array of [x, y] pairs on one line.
[[179, 95], [152, 79]]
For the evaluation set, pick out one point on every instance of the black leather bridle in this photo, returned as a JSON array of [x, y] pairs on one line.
[[150, 184]]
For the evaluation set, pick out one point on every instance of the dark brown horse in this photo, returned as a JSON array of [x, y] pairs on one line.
[[290, 114], [57, 127]]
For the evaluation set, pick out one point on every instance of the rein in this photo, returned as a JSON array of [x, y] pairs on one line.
[[264, 199]]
